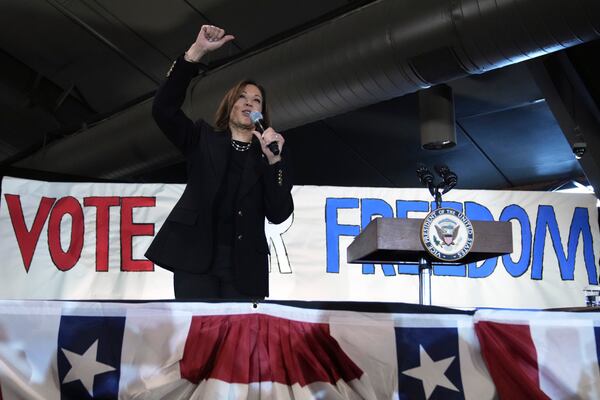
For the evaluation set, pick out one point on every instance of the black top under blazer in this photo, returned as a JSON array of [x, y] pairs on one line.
[[185, 241]]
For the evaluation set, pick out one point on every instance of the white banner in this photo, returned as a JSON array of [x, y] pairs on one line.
[[87, 240]]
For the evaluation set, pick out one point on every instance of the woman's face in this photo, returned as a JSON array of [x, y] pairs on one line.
[[250, 100]]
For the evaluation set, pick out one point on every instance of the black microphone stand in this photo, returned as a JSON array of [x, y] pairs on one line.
[[449, 180]]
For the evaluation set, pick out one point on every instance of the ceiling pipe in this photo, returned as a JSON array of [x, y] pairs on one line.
[[380, 51]]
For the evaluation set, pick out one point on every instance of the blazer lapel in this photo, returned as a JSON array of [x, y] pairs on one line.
[[251, 171], [219, 150]]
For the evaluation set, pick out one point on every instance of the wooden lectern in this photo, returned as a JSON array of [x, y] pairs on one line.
[[398, 240]]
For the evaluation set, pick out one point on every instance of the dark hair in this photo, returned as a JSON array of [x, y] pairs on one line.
[[232, 95]]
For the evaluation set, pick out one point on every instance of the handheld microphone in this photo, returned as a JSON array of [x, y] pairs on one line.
[[259, 123]]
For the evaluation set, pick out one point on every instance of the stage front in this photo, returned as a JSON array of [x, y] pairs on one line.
[[299, 350]]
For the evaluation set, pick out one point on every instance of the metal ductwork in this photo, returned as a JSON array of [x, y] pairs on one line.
[[383, 50]]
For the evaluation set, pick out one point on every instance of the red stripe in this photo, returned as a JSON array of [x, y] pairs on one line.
[[511, 358], [261, 348]]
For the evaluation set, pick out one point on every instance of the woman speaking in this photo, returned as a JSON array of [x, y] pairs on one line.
[[213, 240]]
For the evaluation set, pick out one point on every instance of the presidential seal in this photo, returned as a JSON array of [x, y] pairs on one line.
[[447, 234]]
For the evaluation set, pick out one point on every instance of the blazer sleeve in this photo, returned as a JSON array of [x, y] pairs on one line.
[[279, 204], [166, 108]]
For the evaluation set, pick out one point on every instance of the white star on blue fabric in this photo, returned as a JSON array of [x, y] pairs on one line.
[[85, 367], [431, 373]]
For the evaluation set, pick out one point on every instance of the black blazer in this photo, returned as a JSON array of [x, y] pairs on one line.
[[185, 241]]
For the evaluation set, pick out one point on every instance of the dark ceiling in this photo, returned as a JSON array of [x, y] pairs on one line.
[[70, 66]]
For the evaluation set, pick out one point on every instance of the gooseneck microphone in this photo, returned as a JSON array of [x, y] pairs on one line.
[[426, 178], [449, 177], [259, 123]]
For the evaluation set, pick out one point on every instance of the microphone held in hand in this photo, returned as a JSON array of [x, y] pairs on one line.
[[259, 123]]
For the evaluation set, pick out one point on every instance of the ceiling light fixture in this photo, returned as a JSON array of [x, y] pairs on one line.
[[436, 112]]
